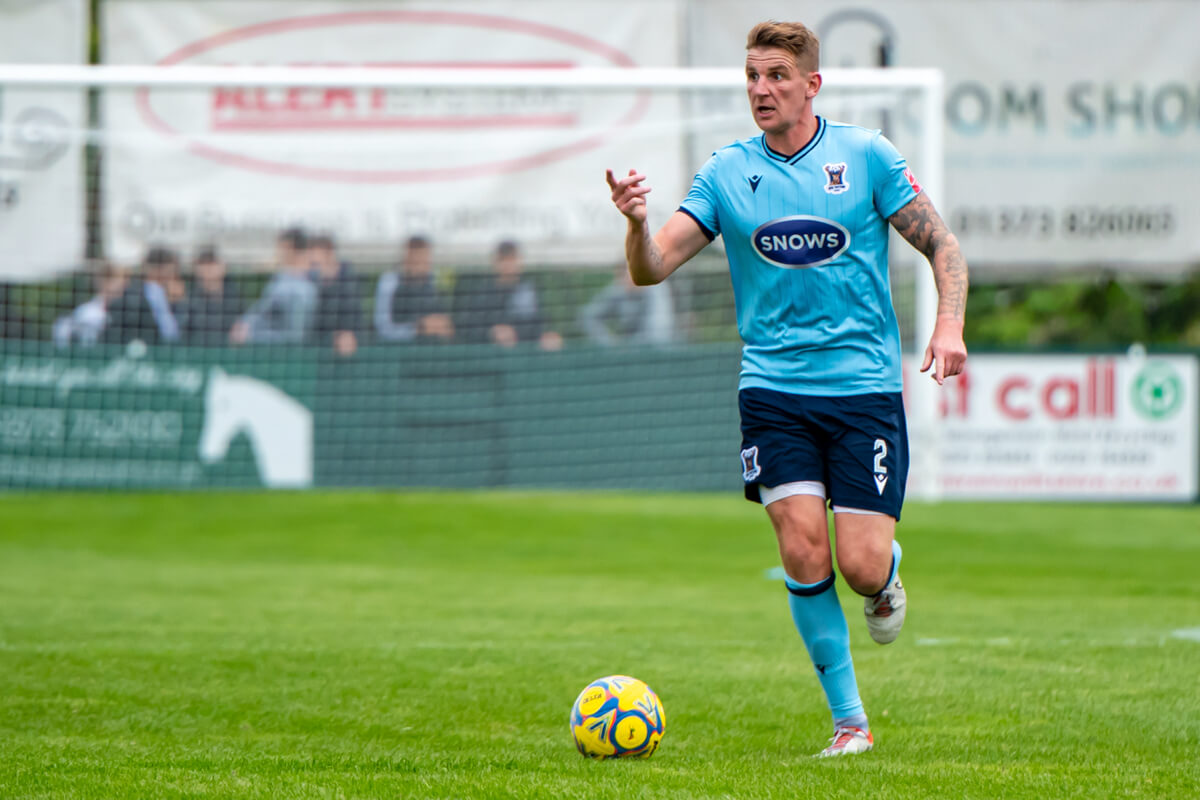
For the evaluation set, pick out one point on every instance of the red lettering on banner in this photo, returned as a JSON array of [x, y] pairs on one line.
[[1002, 398], [584, 126], [294, 100], [1052, 394], [346, 98], [229, 98], [305, 108], [1090, 389], [1060, 397], [1110, 385], [964, 393], [960, 387], [1101, 390]]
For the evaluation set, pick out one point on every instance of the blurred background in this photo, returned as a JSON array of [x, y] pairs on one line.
[[417, 279]]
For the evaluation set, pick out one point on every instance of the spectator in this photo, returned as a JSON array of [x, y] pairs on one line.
[[284, 312], [214, 304], [12, 322], [408, 306], [625, 312], [505, 309], [146, 310], [339, 309], [85, 324]]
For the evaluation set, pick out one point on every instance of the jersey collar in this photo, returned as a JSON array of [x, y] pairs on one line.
[[801, 153]]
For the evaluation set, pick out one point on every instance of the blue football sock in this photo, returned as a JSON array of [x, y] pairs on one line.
[[822, 626], [896, 554]]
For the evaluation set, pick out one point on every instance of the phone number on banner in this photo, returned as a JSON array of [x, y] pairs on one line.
[[1046, 222]]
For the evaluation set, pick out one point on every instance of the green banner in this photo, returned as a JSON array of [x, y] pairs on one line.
[[444, 416]]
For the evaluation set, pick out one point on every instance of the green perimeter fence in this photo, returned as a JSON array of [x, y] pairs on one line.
[[444, 416], [463, 416]]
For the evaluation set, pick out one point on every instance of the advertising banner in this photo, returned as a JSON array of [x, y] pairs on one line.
[[1064, 149], [1011, 427], [114, 420], [373, 166], [41, 137], [1071, 427], [422, 415]]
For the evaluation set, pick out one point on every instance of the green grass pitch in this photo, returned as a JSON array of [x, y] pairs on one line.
[[372, 645]]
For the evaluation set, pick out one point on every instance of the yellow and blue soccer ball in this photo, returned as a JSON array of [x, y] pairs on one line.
[[617, 717]]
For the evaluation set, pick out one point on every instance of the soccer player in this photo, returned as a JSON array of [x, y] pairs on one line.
[[804, 209]]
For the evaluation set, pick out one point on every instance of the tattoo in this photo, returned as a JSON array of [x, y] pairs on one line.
[[921, 225], [641, 253], [656, 261]]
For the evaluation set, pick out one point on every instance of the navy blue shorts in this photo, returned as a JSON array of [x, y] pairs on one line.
[[856, 445]]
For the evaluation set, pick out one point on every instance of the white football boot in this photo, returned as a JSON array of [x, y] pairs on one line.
[[885, 612], [847, 742]]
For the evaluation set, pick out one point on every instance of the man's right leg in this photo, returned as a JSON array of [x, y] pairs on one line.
[[801, 527]]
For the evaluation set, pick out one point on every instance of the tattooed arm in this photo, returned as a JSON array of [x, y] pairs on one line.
[[652, 258], [921, 225]]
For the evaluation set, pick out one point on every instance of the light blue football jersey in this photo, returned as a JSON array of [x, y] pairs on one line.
[[806, 236]]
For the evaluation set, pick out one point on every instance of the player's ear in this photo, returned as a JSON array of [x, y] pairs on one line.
[[814, 84]]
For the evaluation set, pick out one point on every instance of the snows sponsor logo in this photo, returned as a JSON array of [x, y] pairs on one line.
[[801, 241]]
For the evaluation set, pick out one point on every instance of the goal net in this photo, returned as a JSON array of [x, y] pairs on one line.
[[317, 276]]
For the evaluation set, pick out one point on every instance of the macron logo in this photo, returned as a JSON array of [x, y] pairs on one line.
[[754, 181], [880, 482]]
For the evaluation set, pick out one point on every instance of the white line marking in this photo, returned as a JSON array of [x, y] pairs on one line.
[[1148, 640]]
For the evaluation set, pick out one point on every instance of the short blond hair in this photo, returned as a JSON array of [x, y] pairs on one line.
[[794, 37]]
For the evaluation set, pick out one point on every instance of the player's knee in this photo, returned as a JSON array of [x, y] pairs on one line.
[[864, 576], [795, 558], [804, 559]]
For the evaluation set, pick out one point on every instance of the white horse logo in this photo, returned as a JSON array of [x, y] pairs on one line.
[[279, 427]]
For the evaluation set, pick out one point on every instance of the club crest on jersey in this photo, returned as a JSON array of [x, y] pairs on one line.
[[801, 241], [837, 178], [750, 468]]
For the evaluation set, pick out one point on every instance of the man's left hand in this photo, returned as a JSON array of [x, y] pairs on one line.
[[946, 352]]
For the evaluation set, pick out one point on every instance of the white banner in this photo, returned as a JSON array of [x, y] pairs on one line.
[[1072, 128], [1071, 427], [41, 163], [235, 166]]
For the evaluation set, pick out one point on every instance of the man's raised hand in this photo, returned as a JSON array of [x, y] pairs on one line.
[[628, 195]]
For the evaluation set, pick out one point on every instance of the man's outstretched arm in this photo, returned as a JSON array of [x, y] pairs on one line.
[[921, 225], [652, 258]]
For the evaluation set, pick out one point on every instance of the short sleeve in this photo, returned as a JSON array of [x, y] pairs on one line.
[[701, 201], [893, 184]]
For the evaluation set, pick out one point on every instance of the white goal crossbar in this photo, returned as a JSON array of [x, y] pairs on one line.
[[592, 78]]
